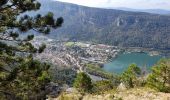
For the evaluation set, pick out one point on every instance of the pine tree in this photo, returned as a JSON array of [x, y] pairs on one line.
[[22, 77], [129, 76], [159, 79]]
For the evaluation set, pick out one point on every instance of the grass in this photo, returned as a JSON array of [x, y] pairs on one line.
[[69, 44], [96, 70], [140, 93], [79, 44], [70, 96]]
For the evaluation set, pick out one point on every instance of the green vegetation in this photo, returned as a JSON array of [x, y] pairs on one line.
[[83, 82], [73, 96], [102, 86], [63, 76], [129, 77], [27, 80], [69, 44], [22, 77], [95, 69], [79, 44], [159, 79]]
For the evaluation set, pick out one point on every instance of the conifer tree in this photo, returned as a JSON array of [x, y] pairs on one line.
[[22, 77], [159, 79], [129, 76]]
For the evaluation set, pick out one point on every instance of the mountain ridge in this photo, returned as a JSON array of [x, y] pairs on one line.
[[108, 26], [151, 11]]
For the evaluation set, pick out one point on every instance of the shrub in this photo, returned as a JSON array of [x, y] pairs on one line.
[[83, 82], [103, 86]]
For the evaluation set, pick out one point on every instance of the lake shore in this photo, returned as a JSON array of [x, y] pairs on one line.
[[150, 51]]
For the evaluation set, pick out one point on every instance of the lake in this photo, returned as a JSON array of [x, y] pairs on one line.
[[120, 63]]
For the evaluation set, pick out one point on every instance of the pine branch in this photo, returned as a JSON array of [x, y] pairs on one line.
[[7, 7]]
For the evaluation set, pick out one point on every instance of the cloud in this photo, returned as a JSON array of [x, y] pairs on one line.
[[137, 4]]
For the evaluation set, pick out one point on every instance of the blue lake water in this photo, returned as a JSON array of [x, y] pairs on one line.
[[120, 63]]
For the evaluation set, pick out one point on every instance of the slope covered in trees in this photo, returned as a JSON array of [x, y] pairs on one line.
[[108, 26]]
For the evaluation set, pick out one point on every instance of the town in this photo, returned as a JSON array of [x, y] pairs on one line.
[[74, 54]]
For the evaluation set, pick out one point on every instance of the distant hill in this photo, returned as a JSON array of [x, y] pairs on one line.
[[153, 11], [109, 26]]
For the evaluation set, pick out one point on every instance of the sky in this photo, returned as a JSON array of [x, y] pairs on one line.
[[136, 4]]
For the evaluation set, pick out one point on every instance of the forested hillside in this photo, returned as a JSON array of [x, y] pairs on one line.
[[108, 26]]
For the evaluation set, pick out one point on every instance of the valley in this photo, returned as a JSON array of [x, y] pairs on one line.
[[84, 50], [69, 58], [77, 55]]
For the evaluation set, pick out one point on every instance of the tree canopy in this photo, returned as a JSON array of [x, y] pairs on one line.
[[21, 76]]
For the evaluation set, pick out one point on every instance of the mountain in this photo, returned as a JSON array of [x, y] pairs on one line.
[[152, 11], [109, 26], [156, 11]]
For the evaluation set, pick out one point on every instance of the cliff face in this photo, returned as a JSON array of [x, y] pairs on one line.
[[109, 26]]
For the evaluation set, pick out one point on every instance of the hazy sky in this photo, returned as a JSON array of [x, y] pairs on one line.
[[137, 4]]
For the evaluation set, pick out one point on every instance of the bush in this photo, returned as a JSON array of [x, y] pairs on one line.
[[83, 82], [103, 86]]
